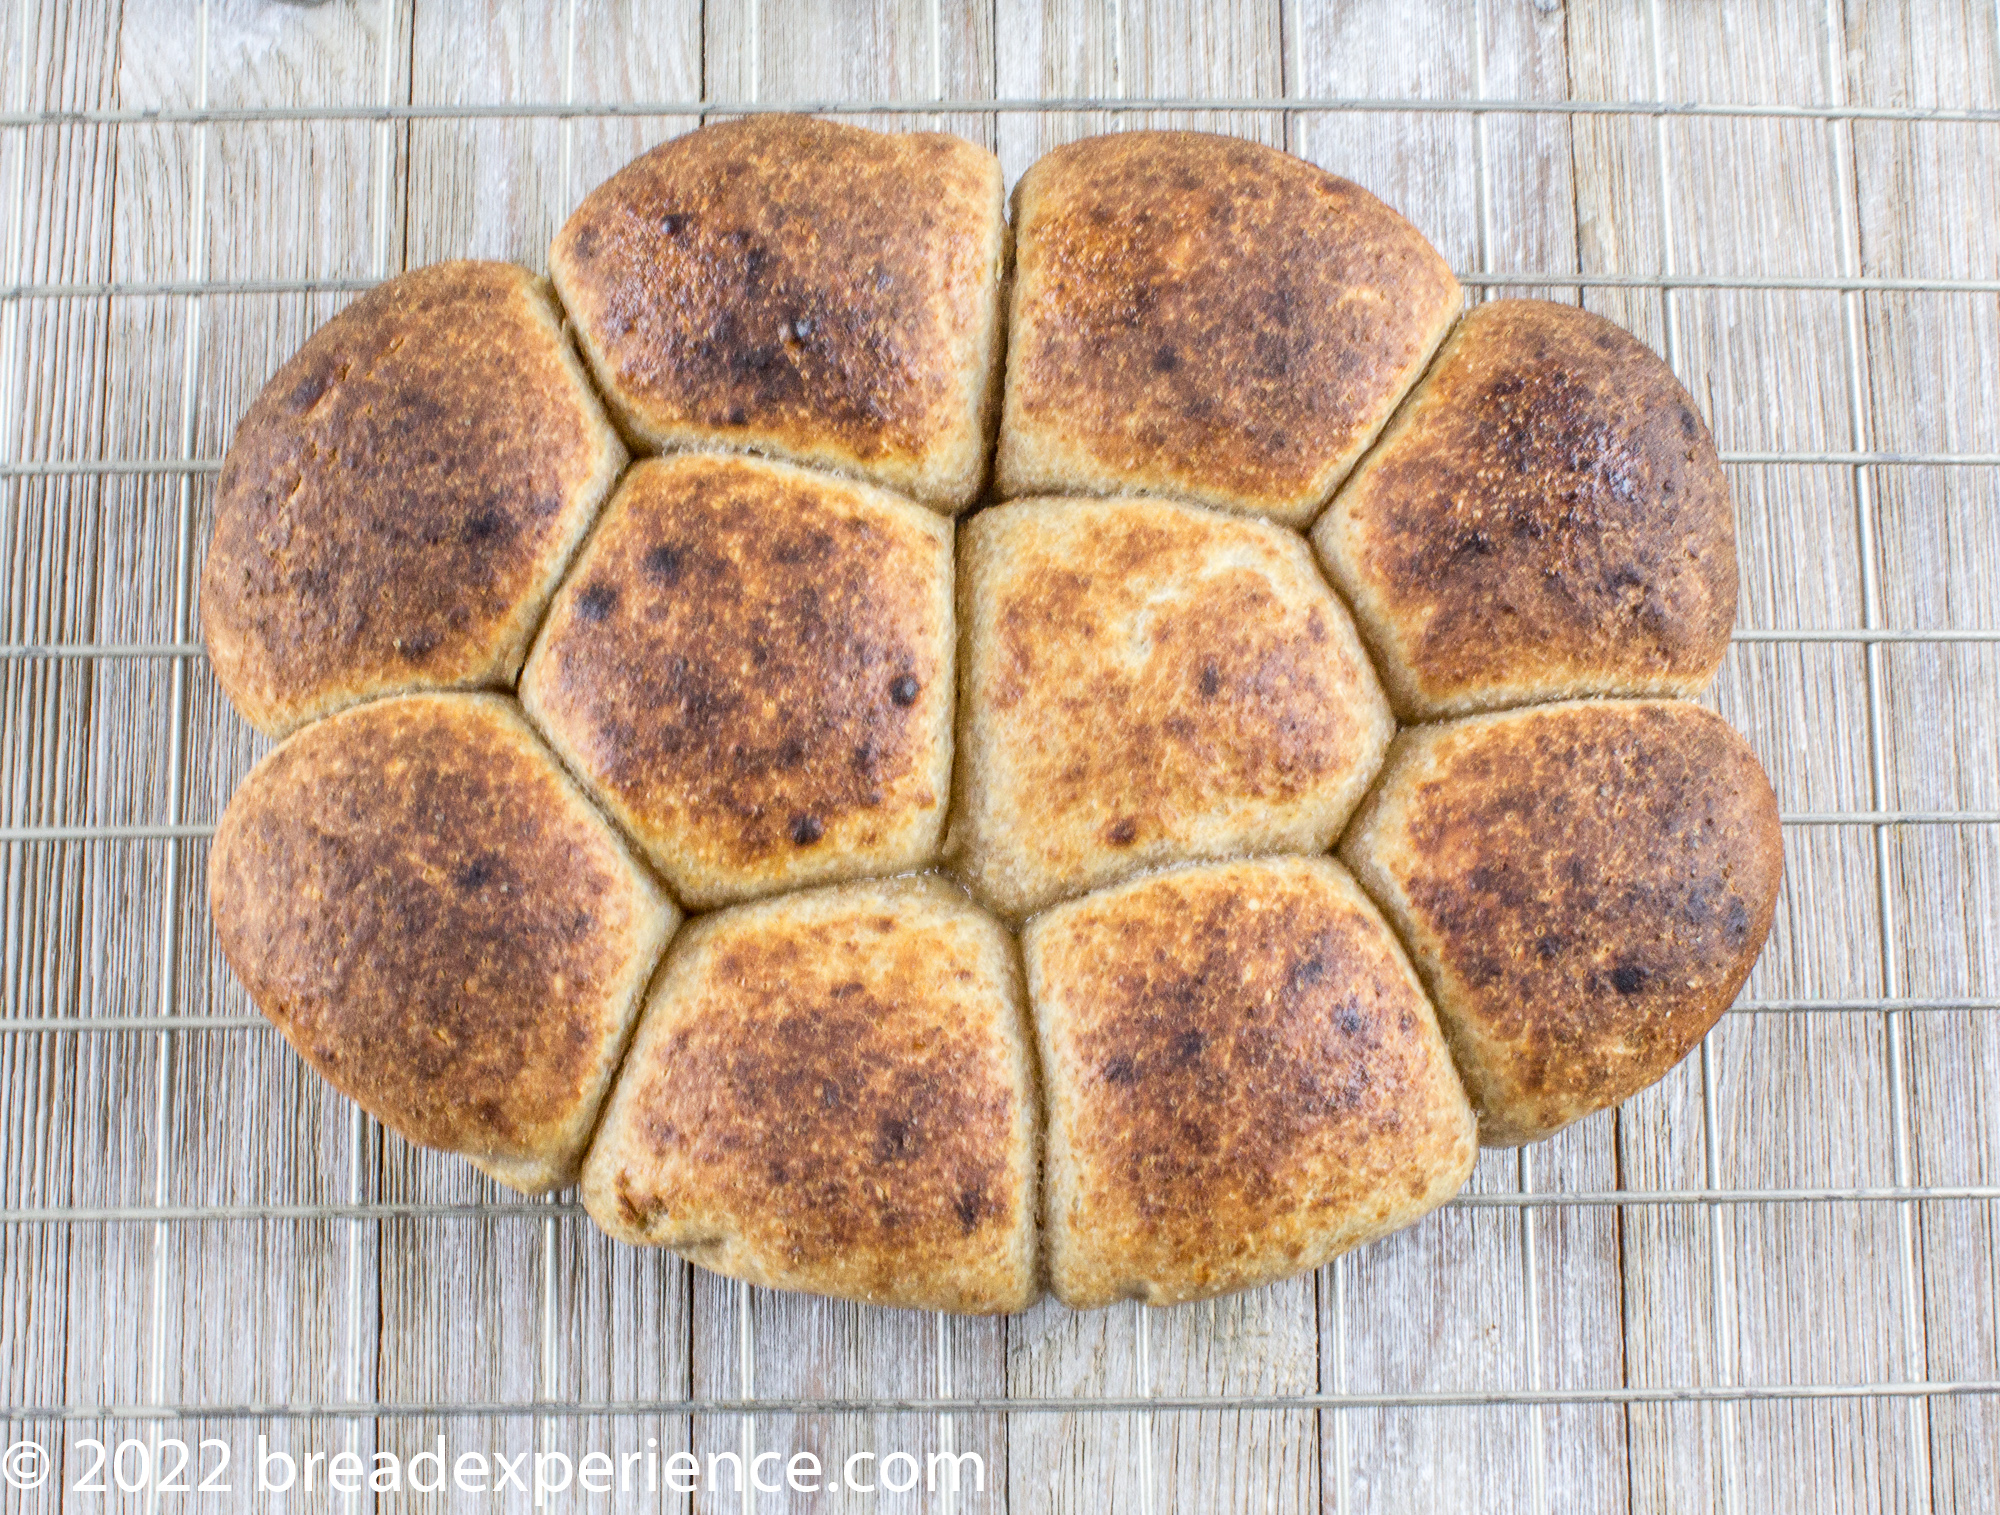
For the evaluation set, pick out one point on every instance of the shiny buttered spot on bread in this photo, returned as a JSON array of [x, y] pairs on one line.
[[1208, 319], [400, 501], [443, 926], [1243, 1080], [800, 288], [1583, 887], [1144, 682], [1546, 518], [752, 665], [835, 1092]]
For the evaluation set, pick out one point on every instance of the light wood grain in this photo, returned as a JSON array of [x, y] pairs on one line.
[[516, 1308], [1934, 382]]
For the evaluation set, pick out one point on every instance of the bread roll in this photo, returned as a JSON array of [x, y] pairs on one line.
[[1546, 518], [402, 498], [834, 1092], [1583, 888], [1244, 1079], [442, 925], [803, 289], [753, 665], [1208, 319], [1145, 682]]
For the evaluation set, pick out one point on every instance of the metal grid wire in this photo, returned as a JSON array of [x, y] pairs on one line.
[[181, 481]]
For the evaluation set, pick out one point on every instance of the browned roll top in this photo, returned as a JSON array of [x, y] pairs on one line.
[[1244, 1079], [401, 498], [753, 664], [833, 1091], [800, 287], [1546, 518], [442, 925], [1207, 318], [1144, 682], [1584, 888]]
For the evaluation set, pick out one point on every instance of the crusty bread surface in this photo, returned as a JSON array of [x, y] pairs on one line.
[[401, 500], [1583, 887], [752, 664], [1208, 319], [835, 1091], [442, 925], [800, 288], [1546, 518], [1143, 682], [1243, 1080]]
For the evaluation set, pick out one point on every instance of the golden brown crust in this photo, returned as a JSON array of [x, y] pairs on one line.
[[1205, 318], [1546, 518], [1584, 888], [753, 665], [442, 926], [1244, 1079], [801, 288], [834, 1091], [1145, 682], [399, 501]]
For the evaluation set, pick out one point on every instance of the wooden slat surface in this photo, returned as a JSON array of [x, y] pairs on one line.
[[1487, 1300]]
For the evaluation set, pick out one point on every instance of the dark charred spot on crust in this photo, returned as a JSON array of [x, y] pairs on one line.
[[1211, 681], [397, 492], [461, 1018], [1213, 335], [736, 703], [972, 1204], [1255, 1036], [306, 392], [663, 565], [731, 289], [1122, 832], [488, 526], [419, 645], [479, 873], [1736, 920], [896, 1140], [1543, 494], [1600, 878], [596, 602]]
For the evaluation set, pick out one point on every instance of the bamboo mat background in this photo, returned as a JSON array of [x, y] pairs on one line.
[[188, 1219]]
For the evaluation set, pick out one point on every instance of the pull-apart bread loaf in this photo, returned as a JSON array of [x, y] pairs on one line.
[[752, 664], [804, 289], [1244, 1079], [1144, 682], [442, 925], [400, 501], [789, 689], [834, 1091], [1204, 318], [1583, 887], [1545, 518]]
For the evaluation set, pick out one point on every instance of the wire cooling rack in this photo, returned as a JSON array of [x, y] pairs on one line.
[[1769, 1283]]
